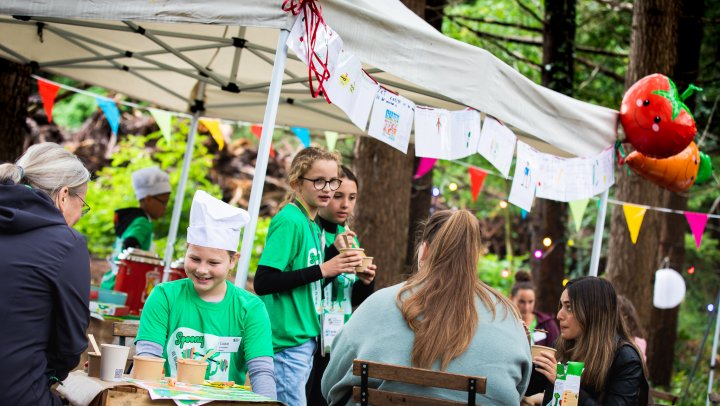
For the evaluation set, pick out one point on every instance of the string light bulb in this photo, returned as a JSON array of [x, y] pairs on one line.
[[503, 204], [538, 254], [691, 270], [711, 307], [436, 191], [504, 273], [571, 242], [565, 282], [453, 186], [547, 241]]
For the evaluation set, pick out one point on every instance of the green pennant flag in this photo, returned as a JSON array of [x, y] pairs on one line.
[[577, 207], [331, 138], [163, 119]]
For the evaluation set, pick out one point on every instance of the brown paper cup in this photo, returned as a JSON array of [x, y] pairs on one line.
[[191, 371], [352, 250], [93, 365], [367, 261], [148, 368], [536, 350]]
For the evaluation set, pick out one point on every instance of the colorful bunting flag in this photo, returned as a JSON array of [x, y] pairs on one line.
[[303, 134], [112, 114], [425, 165], [697, 222], [256, 129], [634, 216], [213, 126], [163, 119], [48, 91], [477, 177], [331, 139], [577, 207]]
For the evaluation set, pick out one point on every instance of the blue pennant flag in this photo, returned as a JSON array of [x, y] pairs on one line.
[[303, 134], [112, 114], [523, 213]]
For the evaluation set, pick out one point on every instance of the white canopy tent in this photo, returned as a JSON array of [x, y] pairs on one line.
[[227, 59]]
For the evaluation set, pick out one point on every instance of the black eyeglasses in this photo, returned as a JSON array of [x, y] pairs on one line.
[[85, 208], [164, 202], [320, 183]]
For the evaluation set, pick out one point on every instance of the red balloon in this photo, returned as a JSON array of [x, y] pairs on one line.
[[656, 121]]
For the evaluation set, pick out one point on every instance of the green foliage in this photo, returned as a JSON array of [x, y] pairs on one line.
[[112, 189], [72, 112], [498, 273]]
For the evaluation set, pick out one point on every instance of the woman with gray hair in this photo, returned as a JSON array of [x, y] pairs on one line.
[[45, 272]]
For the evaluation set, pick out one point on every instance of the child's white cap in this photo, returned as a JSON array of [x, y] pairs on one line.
[[214, 223], [150, 182]]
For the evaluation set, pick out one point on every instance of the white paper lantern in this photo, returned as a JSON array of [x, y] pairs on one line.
[[669, 289]]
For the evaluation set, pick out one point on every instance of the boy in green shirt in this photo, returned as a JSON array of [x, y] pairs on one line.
[[189, 318], [133, 225]]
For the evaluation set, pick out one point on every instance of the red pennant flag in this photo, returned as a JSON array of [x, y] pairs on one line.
[[477, 177], [256, 129], [48, 91]]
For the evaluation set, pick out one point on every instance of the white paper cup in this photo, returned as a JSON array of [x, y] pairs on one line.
[[112, 362]]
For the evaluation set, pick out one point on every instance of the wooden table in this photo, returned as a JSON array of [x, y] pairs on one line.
[[131, 396]]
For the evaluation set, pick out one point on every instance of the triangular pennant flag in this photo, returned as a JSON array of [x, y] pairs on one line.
[[477, 177], [112, 114], [425, 165], [163, 119], [331, 139], [214, 127], [48, 91], [256, 129], [634, 217], [697, 223], [523, 213], [577, 207], [303, 134]]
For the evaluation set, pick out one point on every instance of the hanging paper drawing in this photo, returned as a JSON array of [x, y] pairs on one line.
[[497, 145], [391, 119], [444, 134], [351, 89]]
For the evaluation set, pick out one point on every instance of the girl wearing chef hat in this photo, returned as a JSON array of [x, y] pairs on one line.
[[204, 313]]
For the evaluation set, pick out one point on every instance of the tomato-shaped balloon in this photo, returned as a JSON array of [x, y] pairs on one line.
[[676, 173], [705, 170], [656, 121]]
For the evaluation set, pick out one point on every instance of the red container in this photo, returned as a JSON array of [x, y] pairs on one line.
[[138, 273]]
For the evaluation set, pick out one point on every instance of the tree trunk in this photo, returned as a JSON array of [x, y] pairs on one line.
[[631, 267], [383, 209], [663, 330], [15, 85], [549, 218]]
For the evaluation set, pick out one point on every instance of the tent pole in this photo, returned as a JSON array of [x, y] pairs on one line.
[[271, 109], [713, 353], [599, 230], [180, 192]]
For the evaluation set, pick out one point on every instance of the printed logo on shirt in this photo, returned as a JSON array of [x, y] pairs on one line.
[[313, 257], [189, 343]]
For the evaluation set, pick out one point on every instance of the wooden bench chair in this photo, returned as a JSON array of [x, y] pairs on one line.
[[660, 395], [125, 330], [424, 377]]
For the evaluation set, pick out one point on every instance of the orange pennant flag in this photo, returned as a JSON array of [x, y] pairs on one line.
[[48, 91], [477, 178], [256, 129], [634, 216], [214, 127]]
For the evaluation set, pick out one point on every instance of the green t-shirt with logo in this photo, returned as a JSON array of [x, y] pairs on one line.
[[237, 327], [293, 242], [342, 286]]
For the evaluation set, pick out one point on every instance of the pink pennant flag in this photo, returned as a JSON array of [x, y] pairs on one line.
[[426, 164], [48, 91], [697, 223], [477, 177]]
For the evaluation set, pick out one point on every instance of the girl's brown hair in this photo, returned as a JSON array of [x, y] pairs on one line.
[[594, 305], [523, 281], [302, 163], [438, 302]]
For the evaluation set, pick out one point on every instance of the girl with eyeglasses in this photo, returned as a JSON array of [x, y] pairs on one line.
[[291, 271], [45, 267]]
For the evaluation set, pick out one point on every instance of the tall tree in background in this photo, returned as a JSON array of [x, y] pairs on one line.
[[631, 267], [662, 331], [549, 218], [15, 85]]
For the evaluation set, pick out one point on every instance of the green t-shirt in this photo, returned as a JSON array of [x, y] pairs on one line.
[[342, 286], [142, 230], [293, 242], [237, 327]]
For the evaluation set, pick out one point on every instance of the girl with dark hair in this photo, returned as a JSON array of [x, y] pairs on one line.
[[542, 327], [591, 331], [630, 318], [443, 318]]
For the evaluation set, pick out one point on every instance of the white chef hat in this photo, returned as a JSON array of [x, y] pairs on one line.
[[214, 223], [150, 182]]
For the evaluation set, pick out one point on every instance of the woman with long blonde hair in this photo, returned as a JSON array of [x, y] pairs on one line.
[[443, 318]]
